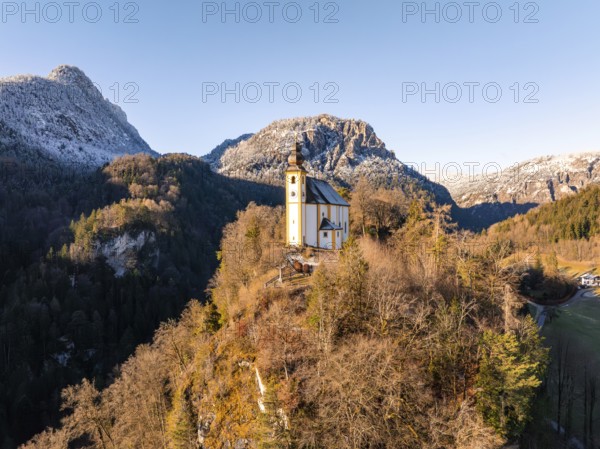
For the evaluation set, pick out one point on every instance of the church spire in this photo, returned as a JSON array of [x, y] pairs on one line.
[[296, 158]]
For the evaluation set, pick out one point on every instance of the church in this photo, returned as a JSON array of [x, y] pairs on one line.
[[316, 215]]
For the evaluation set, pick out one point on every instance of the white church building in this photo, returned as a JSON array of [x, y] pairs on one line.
[[316, 215]]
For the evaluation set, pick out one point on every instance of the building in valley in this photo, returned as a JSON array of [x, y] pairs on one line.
[[589, 280]]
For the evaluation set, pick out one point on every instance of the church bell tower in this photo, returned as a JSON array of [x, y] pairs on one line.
[[295, 198]]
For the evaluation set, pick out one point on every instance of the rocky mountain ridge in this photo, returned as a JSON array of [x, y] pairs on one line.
[[63, 118], [486, 199], [540, 180], [338, 150]]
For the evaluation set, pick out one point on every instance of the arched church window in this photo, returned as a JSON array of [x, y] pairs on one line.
[[293, 180]]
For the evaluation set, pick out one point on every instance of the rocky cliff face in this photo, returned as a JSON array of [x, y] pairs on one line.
[[126, 252], [63, 118], [487, 199], [536, 181], [335, 149]]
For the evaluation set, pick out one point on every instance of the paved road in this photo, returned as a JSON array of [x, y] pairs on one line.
[[542, 311], [587, 293], [540, 314]]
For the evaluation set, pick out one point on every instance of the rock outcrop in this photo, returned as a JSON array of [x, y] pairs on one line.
[[122, 253]]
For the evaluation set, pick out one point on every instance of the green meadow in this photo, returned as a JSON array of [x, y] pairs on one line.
[[575, 326]]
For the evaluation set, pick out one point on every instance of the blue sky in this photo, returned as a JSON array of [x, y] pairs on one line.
[[365, 60]]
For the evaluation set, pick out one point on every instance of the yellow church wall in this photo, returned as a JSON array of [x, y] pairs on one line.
[[304, 220]]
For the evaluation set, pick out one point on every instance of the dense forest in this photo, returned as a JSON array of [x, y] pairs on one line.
[[386, 347], [572, 218], [417, 335], [65, 313], [569, 228]]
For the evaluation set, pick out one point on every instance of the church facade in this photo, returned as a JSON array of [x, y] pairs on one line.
[[316, 215]]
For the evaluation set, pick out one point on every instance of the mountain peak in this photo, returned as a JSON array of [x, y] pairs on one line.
[[336, 149], [63, 118], [67, 73]]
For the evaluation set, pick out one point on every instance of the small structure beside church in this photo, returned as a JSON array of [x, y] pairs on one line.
[[316, 215]]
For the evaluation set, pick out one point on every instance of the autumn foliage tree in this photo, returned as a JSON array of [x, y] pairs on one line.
[[367, 353]]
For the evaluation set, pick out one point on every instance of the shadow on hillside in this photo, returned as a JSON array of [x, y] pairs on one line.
[[482, 216], [264, 194], [56, 293]]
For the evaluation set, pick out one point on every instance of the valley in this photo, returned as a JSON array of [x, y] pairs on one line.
[[572, 331], [122, 274], [253, 225]]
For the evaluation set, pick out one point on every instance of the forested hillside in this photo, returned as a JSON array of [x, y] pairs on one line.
[[90, 264], [415, 341], [572, 218], [568, 228], [562, 241]]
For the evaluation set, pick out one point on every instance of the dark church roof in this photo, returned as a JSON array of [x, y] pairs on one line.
[[320, 192], [327, 225]]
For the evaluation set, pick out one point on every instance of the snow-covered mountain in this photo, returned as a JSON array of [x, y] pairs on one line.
[[540, 180], [63, 118], [335, 149], [521, 187]]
